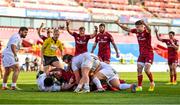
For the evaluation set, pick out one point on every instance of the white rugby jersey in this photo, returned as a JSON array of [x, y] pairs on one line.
[[14, 40], [85, 59], [41, 87]]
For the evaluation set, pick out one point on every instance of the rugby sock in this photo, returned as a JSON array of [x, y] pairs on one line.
[[175, 76], [171, 78], [140, 78], [97, 82], [150, 77], [13, 85], [4, 84], [124, 86], [86, 86]]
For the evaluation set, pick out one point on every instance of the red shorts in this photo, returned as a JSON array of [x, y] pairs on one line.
[[172, 60], [146, 58], [104, 57]]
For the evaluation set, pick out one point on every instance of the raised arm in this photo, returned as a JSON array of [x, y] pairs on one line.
[[40, 29], [94, 46], [147, 27], [122, 26], [157, 35], [95, 32], [67, 26]]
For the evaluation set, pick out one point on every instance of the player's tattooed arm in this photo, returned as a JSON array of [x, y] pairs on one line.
[[147, 27], [122, 26], [157, 34], [67, 26], [40, 29], [94, 46]]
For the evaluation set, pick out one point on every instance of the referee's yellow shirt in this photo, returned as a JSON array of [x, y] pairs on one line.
[[50, 47]]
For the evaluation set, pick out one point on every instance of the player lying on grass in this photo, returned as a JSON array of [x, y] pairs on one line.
[[55, 80], [107, 73], [82, 65]]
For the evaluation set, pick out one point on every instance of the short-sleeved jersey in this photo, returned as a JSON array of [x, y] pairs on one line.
[[14, 40], [80, 43], [144, 40], [104, 39], [50, 47], [172, 52]]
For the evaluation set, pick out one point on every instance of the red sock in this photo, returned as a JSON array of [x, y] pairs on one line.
[[175, 76], [171, 78], [150, 77], [140, 78]]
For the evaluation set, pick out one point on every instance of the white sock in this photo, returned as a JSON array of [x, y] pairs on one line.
[[4, 84], [13, 84], [97, 82], [79, 86], [86, 86], [124, 86]]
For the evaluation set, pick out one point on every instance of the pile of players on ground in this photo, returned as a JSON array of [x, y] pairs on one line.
[[88, 72]]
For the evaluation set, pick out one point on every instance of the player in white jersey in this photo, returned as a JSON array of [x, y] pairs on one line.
[[10, 58], [82, 64], [48, 82], [106, 72]]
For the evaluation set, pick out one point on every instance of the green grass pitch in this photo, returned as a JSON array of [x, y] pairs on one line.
[[163, 94]]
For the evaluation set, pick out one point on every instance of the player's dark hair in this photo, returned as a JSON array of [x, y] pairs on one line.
[[23, 29], [102, 24], [81, 28], [48, 81], [67, 57], [172, 32], [138, 22]]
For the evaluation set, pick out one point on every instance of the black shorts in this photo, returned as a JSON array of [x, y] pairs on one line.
[[49, 60]]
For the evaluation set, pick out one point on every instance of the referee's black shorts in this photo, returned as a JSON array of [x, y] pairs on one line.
[[48, 60]]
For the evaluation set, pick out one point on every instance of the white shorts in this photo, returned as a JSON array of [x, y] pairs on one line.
[[8, 60], [109, 73]]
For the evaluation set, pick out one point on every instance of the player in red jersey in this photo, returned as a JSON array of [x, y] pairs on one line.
[[173, 46], [81, 40], [104, 39], [145, 60], [43, 37]]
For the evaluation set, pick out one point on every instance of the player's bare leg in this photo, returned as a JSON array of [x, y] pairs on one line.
[[84, 81], [149, 74], [96, 80], [139, 76], [16, 71], [77, 76], [5, 78], [174, 66], [116, 84], [171, 75]]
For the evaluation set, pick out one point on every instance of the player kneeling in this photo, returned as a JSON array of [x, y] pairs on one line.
[[47, 82], [106, 72]]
